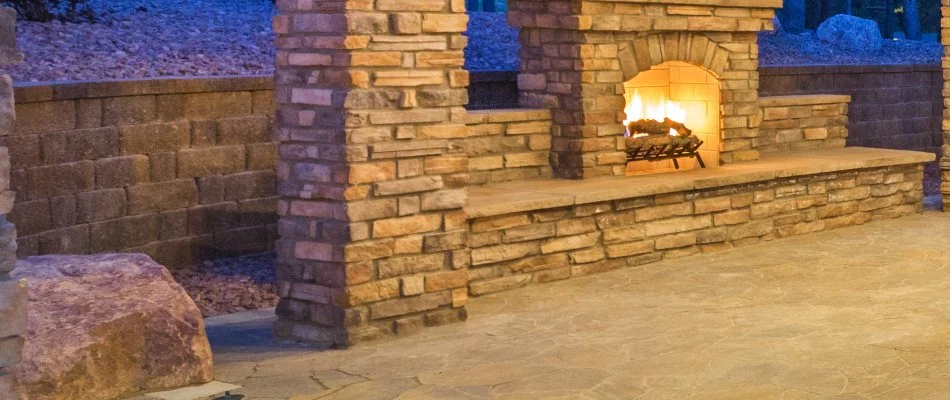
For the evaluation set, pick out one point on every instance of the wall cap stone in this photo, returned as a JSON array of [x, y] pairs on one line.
[[520, 196], [845, 69], [31, 92], [803, 100]]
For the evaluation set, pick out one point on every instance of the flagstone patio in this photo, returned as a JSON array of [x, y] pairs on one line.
[[853, 313]]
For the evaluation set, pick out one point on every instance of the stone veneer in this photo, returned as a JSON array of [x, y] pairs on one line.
[[945, 160], [180, 169], [793, 123], [12, 292], [379, 235], [507, 145], [576, 55], [372, 233], [534, 238]]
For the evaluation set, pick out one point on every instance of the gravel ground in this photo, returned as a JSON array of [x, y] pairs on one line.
[[932, 178], [150, 38], [154, 38], [788, 49], [493, 45], [230, 285]]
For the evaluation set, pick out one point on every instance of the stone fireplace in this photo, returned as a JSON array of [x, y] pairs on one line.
[[398, 204], [579, 56]]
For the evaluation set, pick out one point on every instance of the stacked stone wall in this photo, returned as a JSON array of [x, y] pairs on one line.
[[799, 123], [180, 169], [507, 145], [945, 122], [12, 292], [514, 250]]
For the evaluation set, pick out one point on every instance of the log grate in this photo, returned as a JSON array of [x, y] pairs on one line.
[[652, 152]]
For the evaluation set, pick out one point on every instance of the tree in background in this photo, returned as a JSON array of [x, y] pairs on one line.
[[792, 16], [912, 20], [916, 16], [481, 5]]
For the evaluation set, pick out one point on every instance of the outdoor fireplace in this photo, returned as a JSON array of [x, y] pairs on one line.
[[587, 61]]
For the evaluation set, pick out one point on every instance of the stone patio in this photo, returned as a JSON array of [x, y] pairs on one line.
[[790, 319]]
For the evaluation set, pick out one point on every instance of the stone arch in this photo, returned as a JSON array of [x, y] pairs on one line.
[[649, 51]]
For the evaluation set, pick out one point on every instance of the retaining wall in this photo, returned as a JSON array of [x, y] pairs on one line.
[[180, 169], [183, 169], [892, 106]]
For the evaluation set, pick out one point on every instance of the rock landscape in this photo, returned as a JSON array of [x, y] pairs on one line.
[[153, 38], [231, 285], [105, 326], [150, 38], [848, 32]]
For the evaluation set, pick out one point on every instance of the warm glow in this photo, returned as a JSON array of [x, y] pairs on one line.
[[658, 110]]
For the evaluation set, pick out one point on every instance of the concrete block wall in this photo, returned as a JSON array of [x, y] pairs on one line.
[[180, 169], [892, 106]]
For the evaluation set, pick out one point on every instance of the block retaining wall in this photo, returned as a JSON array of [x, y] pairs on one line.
[[180, 169], [893, 106], [183, 169]]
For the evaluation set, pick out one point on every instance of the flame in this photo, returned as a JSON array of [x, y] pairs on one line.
[[661, 109]]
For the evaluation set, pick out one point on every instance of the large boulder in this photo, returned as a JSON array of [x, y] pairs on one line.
[[851, 33], [105, 326]]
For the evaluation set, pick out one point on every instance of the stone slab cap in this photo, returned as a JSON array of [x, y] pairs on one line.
[[208, 390], [8, 51], [803, 100], [521, 196]]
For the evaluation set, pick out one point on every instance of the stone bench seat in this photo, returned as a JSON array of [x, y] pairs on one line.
[[520, 196]]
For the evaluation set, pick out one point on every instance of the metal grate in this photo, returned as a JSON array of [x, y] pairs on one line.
[[666, 152]]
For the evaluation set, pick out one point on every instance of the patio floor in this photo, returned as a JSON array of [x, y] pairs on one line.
[[854, 313]]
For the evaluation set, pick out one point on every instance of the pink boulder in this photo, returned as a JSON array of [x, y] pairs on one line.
[[105, 326]]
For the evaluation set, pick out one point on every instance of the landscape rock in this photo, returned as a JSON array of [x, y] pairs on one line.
[[850, 32], [106, 326]]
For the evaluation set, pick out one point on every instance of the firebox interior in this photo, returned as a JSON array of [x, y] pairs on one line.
[[684, 93]]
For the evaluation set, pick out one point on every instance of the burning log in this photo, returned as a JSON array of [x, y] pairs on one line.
[[681, 129], [650, 127], [646, 133]]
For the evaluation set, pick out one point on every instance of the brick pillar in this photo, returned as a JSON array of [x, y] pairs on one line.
[[370, 96], [945, 160], [12, 292]]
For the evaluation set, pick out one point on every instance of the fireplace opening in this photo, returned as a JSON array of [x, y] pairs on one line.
[[674, 110]]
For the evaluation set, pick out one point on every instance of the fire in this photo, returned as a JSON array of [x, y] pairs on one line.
[[663, 108]]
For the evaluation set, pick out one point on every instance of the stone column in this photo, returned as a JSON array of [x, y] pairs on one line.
[[12, 292], [370, 96], [945, 160]]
